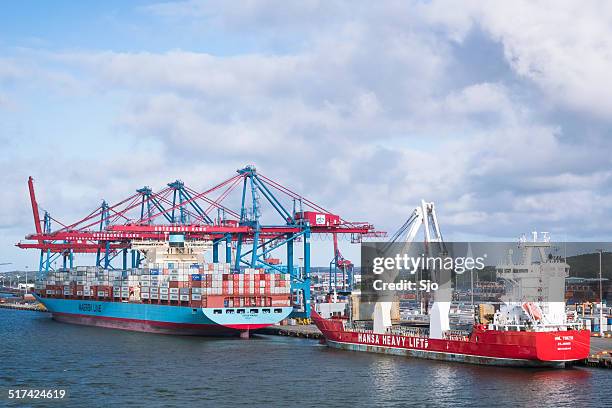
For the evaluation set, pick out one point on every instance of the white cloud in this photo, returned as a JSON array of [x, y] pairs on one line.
[[366, 115], [561, 46]]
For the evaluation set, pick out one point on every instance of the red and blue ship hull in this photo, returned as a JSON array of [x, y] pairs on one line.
[[164, 319]]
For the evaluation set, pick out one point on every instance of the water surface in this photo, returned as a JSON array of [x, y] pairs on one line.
[[111, 367]]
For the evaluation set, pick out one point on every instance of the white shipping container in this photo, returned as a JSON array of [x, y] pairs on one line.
[[163, 297], [196, 297], [174, 291], [164, 290], [144, 295], [184, 298], [154, 296], [174, 297]]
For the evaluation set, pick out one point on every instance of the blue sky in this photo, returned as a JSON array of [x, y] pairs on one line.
[[500, 113]]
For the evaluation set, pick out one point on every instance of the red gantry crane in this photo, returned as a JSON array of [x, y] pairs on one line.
[[109, 230]]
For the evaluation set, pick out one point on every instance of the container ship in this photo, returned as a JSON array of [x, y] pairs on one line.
[[524, 334], [177, 293]]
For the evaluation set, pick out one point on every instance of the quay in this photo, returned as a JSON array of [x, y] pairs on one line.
[[36, 307], [307, 331]]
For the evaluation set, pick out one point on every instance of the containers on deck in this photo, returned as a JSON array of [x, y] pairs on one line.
[[207, 285]]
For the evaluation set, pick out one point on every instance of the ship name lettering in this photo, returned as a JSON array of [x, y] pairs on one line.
[[368, 338], [566, 338], [88, 307], [394, 341]]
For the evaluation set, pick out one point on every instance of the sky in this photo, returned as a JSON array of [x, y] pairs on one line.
[[499, 112]]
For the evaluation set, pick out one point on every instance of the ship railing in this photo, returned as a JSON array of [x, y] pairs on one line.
[[408, 331], [538, 327], [365, 327], [457, 335]]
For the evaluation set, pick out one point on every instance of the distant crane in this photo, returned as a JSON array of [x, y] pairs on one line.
[[5, 263], [342, 264]]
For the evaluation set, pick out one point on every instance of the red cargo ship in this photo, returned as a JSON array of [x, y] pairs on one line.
[[483, 346], [522, 333]]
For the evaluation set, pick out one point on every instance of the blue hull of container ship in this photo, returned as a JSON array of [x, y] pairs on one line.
[[165, 319]]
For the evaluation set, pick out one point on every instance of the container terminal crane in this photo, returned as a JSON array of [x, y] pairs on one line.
[[150, 270]]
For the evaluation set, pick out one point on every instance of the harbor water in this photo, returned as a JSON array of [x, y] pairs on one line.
[[109, 367]]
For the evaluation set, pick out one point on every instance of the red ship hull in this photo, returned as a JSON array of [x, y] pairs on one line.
[[491, 347]]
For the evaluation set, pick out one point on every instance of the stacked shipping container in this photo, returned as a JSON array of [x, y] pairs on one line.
[[207, 285]]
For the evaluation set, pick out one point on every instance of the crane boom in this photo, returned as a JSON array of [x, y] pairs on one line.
[[34, 206], [423, 215]]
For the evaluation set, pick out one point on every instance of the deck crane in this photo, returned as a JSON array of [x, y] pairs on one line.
[[338, 262], [422, 216], [248, 233]]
